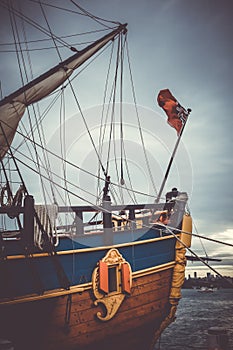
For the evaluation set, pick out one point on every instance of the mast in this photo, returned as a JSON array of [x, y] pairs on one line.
[[13, 106]]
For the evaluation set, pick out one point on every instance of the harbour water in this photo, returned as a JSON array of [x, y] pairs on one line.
[[197, 312]]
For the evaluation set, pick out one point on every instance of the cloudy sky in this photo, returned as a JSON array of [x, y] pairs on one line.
[[186, 46]]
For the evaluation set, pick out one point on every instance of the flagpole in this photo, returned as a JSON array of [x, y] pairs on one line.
[[171, 159]]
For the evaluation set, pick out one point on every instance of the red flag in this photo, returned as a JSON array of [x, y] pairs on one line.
[[177, 115]]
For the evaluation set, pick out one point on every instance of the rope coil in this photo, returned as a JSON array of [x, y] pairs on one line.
[[47, 215]]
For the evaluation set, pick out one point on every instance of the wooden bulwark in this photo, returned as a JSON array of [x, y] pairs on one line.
[[79, 288], [71, 322]]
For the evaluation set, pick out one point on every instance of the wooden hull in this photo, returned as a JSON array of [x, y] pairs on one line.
[[70, 322], [119, 296]]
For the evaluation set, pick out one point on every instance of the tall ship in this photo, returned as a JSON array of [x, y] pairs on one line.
[[85, 262]]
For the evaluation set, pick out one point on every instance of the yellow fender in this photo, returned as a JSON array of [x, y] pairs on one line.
[[186, 227]]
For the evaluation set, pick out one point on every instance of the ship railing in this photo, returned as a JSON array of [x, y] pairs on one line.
[[113, 217]]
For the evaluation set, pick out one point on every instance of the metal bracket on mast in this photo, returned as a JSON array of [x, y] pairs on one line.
[[106, 197], [107, 214]]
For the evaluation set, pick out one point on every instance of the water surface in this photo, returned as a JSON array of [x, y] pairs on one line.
[[197, 312]]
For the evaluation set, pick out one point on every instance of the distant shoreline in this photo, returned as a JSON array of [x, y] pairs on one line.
[[209, 281]]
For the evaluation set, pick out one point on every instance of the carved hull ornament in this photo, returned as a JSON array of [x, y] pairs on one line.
[[111, 280]]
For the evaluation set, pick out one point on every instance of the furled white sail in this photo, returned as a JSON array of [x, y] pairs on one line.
[[13, 107]]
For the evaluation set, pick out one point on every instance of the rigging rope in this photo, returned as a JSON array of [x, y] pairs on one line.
[[123, 150], [37, 163], [200, 241], [50, 31], [20, 14], [16, 166], [88, 131], [95, 18], [63, 149], [83, 13], [44, 150], [121, 113], [76, 166], [33, 23], [62, 36], [58, 185], [54, 174], [113, 108], [46, 48], [130, 190], [194, 225], [139, 125], [203, 237], [51, 35], [198, 257], [19, 52], [103, 125], [112, 122]]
